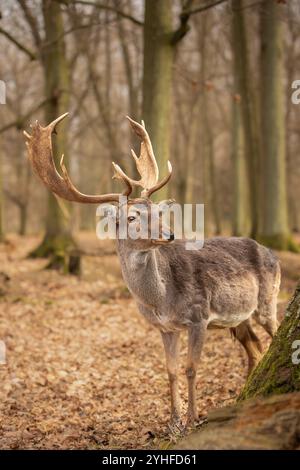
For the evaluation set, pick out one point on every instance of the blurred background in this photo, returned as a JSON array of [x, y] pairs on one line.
[[214, 82], [211, 79]]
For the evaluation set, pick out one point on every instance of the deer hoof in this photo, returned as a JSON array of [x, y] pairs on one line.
[[175, 426], [191, 421]]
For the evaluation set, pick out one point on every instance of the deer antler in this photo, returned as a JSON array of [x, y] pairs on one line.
[[39, 146], [145, 163]]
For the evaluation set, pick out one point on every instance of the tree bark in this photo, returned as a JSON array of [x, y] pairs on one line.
[[279, 371], [133, 91], [240, 190], [58, 240], [242, 72], [209, 177], [270, 423], [274, 230], [157, 79]]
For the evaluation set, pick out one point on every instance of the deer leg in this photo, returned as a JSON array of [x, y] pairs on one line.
[[251, 343], [266, 313], [271, 327], [196, 334], [172, 349], [267, 318]]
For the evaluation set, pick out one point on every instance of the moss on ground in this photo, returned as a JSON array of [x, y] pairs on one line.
[[61, 251]]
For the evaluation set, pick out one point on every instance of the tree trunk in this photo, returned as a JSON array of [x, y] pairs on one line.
[[191, 174], [58, 240], [157, 79], [279, 371], [240, 209], [212, 215], [133, 90], [270, 423], [274, 230], [242, 72], [23, 219], [293, 173]]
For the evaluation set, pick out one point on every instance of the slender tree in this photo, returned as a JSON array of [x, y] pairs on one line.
[[274, 230], [293, 173], [157, 77], [244, 89], [240, 209], [240, 184], [212, 215], [50, 51], [57, 241]]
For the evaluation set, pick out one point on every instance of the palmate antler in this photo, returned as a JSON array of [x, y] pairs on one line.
[[39, 146], [145, 163], [40, 153]]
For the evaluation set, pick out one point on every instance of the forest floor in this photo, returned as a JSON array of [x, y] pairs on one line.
[[84, 370]]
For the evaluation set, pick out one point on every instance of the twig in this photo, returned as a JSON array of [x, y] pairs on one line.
[[18, 123], [32, 55], [103, 7], [202, 8]]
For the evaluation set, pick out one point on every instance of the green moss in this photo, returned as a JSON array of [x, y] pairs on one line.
[[276, 374], [60, 250], [293, 246]]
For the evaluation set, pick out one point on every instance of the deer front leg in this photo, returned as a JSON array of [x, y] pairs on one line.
[[196, 334], [171, 345]]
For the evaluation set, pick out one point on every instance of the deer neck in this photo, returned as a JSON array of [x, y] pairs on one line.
[[143, 273]]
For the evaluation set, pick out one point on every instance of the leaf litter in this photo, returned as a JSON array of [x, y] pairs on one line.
[[84, 369]]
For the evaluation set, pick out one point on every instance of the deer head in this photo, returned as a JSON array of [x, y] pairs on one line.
[[39, 145]]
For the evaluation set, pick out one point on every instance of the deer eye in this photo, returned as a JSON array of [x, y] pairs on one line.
[[131, 218]]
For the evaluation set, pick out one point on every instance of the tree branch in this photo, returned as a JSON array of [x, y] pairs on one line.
[[74, 29], [184, 27], [16, 199], [32, 55], [187, 11], [202, 8], [19, 122], [103, 7], [31, 20]]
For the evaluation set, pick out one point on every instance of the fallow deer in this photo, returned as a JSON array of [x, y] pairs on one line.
[[221, 285]]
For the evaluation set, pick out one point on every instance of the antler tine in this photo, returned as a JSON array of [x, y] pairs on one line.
[[146, 163], [39, 145], [161, 183]]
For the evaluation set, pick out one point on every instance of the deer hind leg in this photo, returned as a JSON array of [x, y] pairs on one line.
[[172, 349], [251, 343], [270, 325], [266, 313], [196, 335]]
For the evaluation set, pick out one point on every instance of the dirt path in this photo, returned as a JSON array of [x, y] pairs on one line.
[[84, 369]]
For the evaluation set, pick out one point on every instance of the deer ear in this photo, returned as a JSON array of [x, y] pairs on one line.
[[166, 203]]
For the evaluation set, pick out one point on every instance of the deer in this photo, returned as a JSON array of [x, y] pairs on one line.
[[225, 284]]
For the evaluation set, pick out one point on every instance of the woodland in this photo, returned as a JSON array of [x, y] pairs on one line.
[[215, 82]]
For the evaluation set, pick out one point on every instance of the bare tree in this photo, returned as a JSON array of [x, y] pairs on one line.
[[274, 229], [244, 89]]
